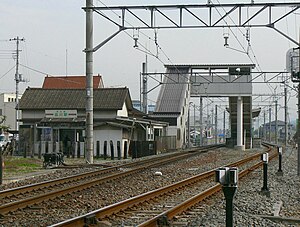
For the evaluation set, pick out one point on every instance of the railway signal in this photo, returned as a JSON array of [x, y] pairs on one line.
[[228, 178], [265, 189], [279, 172]]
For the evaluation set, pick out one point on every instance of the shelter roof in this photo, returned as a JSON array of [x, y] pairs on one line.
[[209, 66]]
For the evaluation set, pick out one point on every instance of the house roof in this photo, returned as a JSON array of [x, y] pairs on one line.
[[104, 99], [70, 82]]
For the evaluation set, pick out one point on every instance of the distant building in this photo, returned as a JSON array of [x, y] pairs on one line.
[[138, 106], [8, 109], [280, 129], [71, 82]]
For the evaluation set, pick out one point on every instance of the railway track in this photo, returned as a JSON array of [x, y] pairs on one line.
[[161, 205], [21, 197]]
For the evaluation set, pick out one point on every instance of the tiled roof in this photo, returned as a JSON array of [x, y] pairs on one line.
[[104, 98], [70, 82]]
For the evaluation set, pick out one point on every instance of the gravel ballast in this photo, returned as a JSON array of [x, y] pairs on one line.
[[253, 208], [249, 203]]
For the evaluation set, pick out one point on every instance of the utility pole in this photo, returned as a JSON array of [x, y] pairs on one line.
[[276, 122], [188, 131], [298, 125], [270, 118], [285, 117], [224, 126], [265, 127], [200, 120], [144, 79], [194, 120], [89, 83], [216, 124], [18, 79]]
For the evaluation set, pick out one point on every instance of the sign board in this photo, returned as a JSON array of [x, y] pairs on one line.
[[292, 60], [61, 113]]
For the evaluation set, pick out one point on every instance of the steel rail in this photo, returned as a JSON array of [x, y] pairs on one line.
[[117, 207], [8, 207], [77, 177], [175, 211]]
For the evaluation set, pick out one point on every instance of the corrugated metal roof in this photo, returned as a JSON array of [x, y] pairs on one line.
[[172, 92], [70, 82], [104, 98]]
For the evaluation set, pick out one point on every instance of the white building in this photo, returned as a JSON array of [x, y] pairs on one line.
[[8, 109]]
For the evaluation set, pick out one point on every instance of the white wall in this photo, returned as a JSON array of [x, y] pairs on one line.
[[105, 114], [8, 105], [30, 114], [123, 112], [107, 134]]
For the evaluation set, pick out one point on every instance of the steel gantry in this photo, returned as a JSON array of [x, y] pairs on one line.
[[196, 16], [175, 16]]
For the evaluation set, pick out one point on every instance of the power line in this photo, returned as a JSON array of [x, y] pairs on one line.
[[7, 72]]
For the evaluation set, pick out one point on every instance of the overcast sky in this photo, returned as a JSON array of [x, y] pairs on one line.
[[54, 29]]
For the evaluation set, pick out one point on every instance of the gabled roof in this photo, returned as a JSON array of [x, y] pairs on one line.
[[104, 99], [70, 82]]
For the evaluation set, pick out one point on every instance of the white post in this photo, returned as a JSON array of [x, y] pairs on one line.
[[239, 132]]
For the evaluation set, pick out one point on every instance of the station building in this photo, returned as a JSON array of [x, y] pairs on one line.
[[53, 120]]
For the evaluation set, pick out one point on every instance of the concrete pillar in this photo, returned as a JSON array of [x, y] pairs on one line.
[[239, 115]]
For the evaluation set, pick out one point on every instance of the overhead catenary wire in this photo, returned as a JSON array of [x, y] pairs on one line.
[[255, 61], [147, 51]]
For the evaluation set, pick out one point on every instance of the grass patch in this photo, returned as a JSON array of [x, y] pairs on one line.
[[16, 166]]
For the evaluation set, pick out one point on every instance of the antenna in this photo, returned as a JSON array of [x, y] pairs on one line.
[[66, 62]]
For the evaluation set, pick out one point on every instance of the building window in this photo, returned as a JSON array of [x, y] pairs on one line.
[[0, 112]]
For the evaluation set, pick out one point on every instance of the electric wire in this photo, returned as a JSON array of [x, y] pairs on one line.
[[147, 51], [7, 72], [249, 45]]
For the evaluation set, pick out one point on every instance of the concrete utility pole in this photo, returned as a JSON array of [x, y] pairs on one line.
[[145, 98], [216, 124], [264, 129], [200, 120], [18, 79], [276, 122], [89, 83], [270, 118], [298, 125], [188, 131], [298, 128], [194, 119], [285, 117], [224, 126]]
